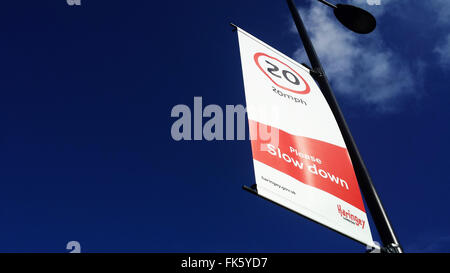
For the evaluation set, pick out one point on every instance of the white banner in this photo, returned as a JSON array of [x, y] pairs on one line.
[[300, 158]]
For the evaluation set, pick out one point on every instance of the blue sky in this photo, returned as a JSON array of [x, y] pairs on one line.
[[86, 152]]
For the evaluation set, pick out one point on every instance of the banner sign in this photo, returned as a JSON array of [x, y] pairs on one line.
[[300, 159]]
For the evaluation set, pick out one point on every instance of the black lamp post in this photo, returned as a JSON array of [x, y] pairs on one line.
[[359, 21]]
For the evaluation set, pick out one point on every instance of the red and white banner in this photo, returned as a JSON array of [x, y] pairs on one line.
[[299, 155]]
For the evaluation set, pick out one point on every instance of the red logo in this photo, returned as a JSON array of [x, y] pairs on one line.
[[281, 74], [350, 217]]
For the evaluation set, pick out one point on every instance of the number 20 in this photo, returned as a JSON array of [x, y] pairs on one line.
[[285, 74]]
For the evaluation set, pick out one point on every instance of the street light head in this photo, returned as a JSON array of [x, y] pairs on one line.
[[355, 19]]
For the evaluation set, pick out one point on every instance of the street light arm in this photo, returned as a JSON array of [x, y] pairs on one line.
[[327, 3]]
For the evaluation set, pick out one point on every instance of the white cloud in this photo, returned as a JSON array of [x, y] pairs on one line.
[[442, 10], [361, 67], [443, 51]]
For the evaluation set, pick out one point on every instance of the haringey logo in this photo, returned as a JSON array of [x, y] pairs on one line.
[[350, 217]]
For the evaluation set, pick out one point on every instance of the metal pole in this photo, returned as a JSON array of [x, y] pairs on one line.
[[377, 211]]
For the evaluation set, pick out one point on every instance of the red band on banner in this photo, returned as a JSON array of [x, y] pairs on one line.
[[316, 163]]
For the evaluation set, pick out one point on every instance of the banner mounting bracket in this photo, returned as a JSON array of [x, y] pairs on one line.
[[234, 27], [251, 189], [313, 72]]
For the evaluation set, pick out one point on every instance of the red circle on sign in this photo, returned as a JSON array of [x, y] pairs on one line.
[[256, 57]]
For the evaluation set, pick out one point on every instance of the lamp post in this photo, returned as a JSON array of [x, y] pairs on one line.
[[362, 22]]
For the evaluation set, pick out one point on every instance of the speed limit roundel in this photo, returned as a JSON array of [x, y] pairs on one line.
[[281, 74]]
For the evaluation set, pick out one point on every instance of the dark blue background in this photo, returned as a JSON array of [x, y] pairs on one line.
[[86, 152]]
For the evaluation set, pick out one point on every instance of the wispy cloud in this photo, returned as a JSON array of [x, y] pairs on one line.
[[430, 243], [443, 51], [361, 67], [441, 8]]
